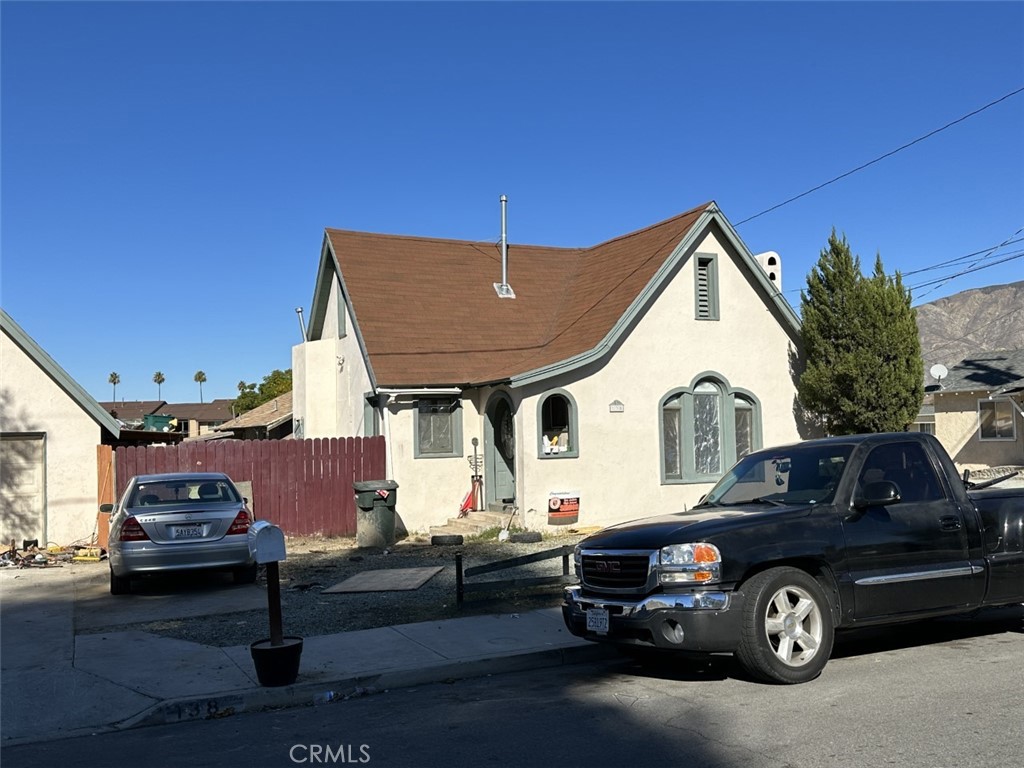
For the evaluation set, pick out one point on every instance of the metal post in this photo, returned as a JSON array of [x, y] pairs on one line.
[[459, 590], [274, 604]]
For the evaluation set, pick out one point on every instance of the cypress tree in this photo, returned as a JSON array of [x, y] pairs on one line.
[[864, 371]]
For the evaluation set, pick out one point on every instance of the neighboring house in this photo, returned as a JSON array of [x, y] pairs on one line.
[[51, 428], [978, 414], [133, 412], [198, 419], [628, 375], [190, 420], [270, 421]]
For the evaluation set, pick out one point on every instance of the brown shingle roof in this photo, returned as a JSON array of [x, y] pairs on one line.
[[269, 414], [429, 315], [216, 410]]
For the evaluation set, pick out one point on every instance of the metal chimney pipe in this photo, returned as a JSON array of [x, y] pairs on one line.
[[302, 325], [503, 289], [504, 240]]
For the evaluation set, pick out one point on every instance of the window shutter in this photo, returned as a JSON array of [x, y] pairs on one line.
[[703, 290]]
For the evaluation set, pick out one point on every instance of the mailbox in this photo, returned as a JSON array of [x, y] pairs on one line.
[[266, 542]]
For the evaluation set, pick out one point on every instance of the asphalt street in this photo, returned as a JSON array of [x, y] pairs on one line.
[[934, 695]]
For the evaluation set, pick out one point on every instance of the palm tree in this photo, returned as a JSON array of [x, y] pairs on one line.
[[114, 379], [158, 379], [199, 378]]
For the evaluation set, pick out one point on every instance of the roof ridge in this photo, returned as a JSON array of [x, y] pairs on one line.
[[669, 220]]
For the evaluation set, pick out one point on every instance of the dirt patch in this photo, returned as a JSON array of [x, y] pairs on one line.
[[315, 564]]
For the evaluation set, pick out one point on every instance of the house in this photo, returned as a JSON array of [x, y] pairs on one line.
[[198, 419], [51, 430], [270, 421], [977, 410], [586, 385]]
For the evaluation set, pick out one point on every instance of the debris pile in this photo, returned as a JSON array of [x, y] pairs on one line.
[[31, 556]]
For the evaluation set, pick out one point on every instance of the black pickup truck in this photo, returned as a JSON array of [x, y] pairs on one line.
[[796, 542]]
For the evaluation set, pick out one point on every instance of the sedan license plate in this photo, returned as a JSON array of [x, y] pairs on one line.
[[191, 531], [597, 620]]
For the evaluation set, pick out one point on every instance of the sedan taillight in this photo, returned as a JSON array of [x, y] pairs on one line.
[[132, 531], [241, 523]]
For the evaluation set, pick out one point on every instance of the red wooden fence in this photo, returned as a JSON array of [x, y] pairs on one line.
[[303, 486]]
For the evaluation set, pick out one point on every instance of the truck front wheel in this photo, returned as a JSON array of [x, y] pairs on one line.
[[787, 627]]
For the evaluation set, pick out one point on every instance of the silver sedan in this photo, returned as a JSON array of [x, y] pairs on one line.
[[174, 522]]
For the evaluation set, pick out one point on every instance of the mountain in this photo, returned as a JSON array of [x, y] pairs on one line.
[[978, 320]]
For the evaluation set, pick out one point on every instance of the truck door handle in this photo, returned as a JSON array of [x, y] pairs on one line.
[[949, 523]]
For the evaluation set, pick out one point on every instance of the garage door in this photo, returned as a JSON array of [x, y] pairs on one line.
[[22, 485]]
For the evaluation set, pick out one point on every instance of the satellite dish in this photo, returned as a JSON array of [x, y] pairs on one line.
[[938, 372]]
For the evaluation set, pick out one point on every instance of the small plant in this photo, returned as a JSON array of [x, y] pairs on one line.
[[492, 533]]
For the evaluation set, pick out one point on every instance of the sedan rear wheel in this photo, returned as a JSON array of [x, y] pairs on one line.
[[787, 627], [120, 585]]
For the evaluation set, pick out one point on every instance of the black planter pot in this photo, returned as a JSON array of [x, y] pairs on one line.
[[276, 664]]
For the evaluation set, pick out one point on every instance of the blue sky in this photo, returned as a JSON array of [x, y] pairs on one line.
[[168, 168]]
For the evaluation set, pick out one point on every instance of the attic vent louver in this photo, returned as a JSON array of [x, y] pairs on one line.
[[503, 289]]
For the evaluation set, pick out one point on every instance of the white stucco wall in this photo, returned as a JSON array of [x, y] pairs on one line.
[[330, 378], [33, 403]]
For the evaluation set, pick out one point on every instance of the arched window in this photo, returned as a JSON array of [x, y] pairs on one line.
[[705, 428], [556, 417]]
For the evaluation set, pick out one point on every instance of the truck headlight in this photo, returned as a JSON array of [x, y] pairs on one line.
[[698, 563]]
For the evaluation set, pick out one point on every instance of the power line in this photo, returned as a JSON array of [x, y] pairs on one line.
[[881, 157], [942, 280], [991, 251], [965, 257]]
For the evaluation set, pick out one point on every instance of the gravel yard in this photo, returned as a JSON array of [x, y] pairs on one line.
[[314, 564]]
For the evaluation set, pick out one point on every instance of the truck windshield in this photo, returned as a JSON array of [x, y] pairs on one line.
[[796, 475]]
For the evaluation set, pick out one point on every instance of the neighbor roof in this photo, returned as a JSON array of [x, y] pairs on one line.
[[132, 410], [59, 376], [270, 414], [427, 313], [1003, 370], [216, 410]]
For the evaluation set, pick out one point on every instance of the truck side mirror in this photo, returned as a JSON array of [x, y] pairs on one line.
[[878, 494]]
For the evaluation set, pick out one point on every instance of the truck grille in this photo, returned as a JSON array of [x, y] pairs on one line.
[[615, 571]]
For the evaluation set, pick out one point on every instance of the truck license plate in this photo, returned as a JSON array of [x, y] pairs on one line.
[[194, 531], [597, 620]]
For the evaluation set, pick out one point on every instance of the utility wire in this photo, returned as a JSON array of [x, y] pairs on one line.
[[882, 157], [936, 285]]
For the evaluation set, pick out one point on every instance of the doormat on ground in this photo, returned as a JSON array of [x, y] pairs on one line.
[[387, 580]]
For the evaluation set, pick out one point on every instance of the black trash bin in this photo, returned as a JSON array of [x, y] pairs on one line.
[[375, 512]]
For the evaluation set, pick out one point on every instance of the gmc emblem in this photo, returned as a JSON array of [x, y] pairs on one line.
[[607, 566]]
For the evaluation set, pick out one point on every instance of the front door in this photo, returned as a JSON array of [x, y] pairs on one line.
[[500, 450], [911, 556]]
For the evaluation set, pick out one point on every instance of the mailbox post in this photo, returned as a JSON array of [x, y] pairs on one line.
[[276, 659]]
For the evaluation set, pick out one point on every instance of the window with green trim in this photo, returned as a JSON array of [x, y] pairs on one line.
[[438, 428], [556, 415], [705, 428]]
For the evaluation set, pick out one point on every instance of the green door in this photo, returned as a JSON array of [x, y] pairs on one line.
[[500, 450]]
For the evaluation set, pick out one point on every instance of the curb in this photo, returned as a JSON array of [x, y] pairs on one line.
[[303, 694]]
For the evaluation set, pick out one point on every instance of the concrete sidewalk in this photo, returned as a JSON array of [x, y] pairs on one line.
[[56, 684]]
